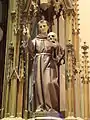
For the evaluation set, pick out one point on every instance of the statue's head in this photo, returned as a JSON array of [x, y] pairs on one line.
[[43, 26]]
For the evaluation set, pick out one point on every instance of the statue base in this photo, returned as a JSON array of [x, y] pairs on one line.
[[36, 118], [50, 113], [41, 115]]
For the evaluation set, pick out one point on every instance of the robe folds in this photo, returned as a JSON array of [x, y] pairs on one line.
[[44, 72]]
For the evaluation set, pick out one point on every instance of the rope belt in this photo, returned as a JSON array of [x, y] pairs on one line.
[[42, 54]]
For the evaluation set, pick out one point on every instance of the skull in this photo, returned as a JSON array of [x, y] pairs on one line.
[[52, 37]]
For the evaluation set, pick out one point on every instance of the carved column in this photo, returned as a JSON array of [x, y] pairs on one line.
[[85, 80], [68, 25], [8, 91], [11, 70], [6, 69], [13, 77], [70, 103], [20, 86], [76, 47], [70, 78]]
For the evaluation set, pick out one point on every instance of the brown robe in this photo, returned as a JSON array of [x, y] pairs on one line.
[[45, 74]]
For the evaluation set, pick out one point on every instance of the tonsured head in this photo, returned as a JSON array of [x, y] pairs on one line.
[[52, 37]]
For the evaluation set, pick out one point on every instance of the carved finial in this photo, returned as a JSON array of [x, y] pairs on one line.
[[85, 47]]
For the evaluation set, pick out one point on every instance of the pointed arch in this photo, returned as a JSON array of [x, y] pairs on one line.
[[68, 4]]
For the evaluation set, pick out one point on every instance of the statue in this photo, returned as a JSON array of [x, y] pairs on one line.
[[46, 53]]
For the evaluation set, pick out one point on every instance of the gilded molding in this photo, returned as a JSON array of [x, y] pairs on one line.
[[14, 75], [13, 15], [71, 61]]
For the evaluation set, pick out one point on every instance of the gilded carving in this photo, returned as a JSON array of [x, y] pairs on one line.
[[57, 6], [22, 52], [13, 15]]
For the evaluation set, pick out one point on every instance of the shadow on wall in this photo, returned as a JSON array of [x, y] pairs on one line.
[[3, 27]]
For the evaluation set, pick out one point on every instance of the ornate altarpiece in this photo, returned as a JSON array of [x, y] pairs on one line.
[[15, 101]]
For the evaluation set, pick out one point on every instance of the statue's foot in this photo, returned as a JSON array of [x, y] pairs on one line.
[[53, 111], [39, 110]]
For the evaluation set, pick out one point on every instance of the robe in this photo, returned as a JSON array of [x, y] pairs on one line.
[[44, 72]]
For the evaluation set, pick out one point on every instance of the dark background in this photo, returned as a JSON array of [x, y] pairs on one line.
[[3, 25]]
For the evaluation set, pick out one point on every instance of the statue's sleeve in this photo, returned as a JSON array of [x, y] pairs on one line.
[[60, 55], [31, 47]]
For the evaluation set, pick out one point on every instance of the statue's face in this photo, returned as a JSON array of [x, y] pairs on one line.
[[43, 28]]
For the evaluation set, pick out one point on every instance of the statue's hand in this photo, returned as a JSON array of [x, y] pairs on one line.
[[26, 32]]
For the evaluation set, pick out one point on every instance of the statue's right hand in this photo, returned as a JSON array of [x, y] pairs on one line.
[[26, 32]]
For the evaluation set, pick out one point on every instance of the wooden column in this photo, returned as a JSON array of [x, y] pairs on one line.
[[13, 75], [20, 87], [68, 26], [76, 48], [68, 63], [6, 69], [85, 81]]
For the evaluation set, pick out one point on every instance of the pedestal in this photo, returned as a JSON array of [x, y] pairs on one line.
[[42, 115], [36, 118]]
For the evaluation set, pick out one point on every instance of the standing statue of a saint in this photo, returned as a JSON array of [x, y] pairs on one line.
[[46, 52]]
